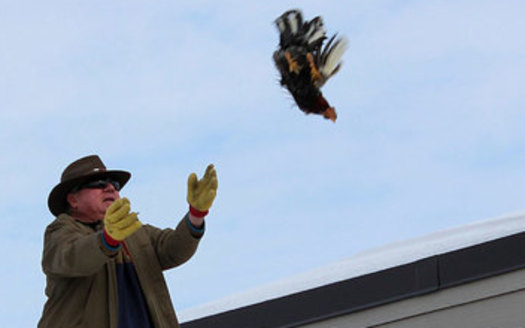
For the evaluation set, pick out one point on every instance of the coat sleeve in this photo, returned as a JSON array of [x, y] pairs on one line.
[[73, 251], [175, 246]]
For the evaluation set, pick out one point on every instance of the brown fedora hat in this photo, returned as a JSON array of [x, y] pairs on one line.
[[81, 171]]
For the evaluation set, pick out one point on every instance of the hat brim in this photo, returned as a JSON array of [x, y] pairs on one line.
[[57, 201]]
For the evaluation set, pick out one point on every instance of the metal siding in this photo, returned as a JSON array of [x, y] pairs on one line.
[[500, 298], [505, 311]]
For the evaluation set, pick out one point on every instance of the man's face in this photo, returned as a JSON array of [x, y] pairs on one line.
[[90, 204]]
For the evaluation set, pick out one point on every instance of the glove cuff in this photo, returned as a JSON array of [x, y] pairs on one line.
[[195, 212]]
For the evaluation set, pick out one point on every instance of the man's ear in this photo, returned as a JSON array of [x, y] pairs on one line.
[[72, 200]]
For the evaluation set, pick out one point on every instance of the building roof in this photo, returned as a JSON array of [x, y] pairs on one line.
[[393, 272]]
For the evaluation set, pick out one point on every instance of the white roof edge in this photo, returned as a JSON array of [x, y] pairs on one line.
[[374, 260]]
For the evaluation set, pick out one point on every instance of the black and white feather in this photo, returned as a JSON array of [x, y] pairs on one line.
[[304, 63]]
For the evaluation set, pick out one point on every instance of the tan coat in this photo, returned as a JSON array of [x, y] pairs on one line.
[[81, 274]]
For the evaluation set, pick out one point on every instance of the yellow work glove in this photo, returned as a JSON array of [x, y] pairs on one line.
[[201, 193], [119, 223]]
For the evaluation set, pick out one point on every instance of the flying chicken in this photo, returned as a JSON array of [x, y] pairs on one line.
[[304, 64]]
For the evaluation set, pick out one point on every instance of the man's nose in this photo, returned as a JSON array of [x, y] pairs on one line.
[[110, 187]]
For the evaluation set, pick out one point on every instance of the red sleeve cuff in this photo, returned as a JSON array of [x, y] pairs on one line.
[[110, 241], [195, 212]]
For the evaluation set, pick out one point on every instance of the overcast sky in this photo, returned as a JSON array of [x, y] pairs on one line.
[[429, 135]]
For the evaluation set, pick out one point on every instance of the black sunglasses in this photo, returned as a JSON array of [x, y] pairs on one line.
[[97, 184]]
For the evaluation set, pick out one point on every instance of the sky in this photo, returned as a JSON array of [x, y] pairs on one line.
[[429, 133]]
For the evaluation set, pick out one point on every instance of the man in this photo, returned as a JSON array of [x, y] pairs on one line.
[[103, 267]]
